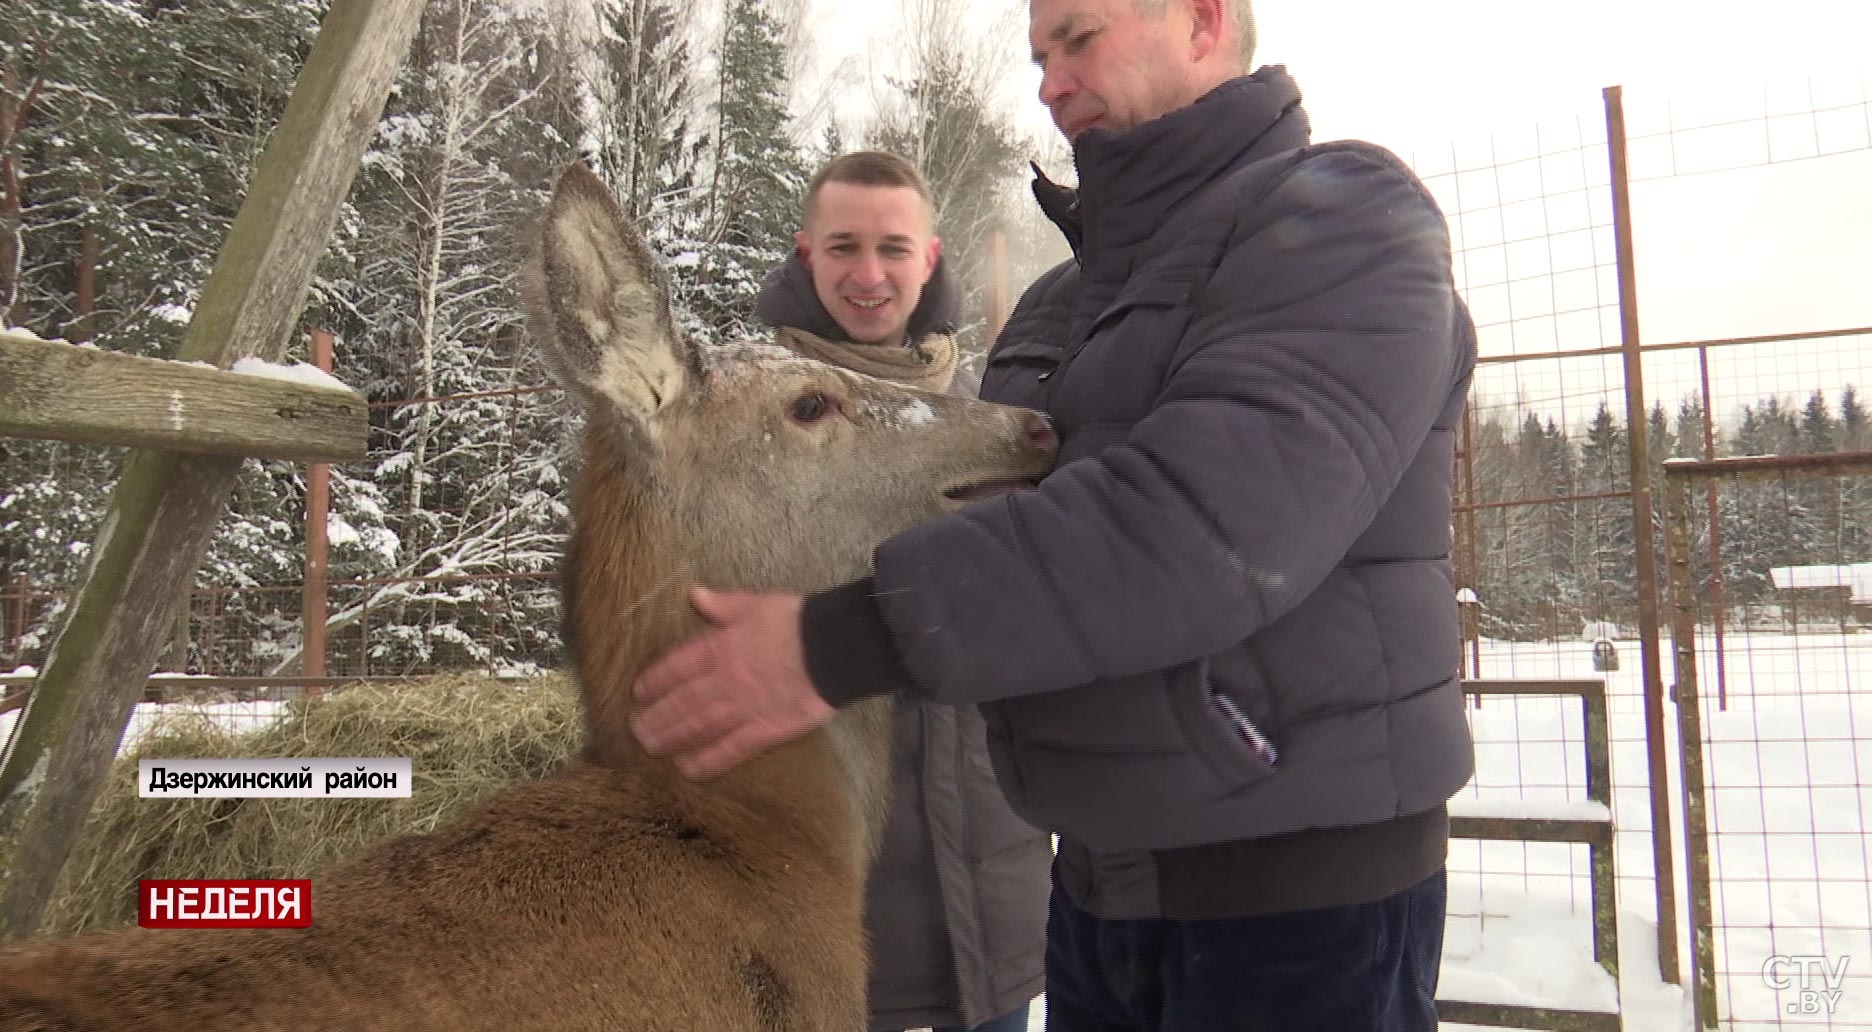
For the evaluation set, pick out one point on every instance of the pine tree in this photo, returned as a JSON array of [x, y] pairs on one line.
[[644, 91], [1610, 553], [1766, 523], [1855, 435], [426, 305], [946, 125], [1505, 533], [1820, 534], [1819, 433], [1691, 420], [1686, 441], [1534, 592], [1853, 424], [758, 179], [127, 137]]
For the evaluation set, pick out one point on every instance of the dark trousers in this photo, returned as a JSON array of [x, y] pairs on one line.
[[1371, 967]]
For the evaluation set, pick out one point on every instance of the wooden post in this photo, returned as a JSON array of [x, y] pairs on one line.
[[312, 609], [164, 509], [998, 285], [53, 391], [12, 622]]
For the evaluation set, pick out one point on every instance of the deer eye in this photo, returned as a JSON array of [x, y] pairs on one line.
[[809, 408]]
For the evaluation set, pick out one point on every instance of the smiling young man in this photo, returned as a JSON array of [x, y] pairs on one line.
[[868, 246], [956, 904], [1218, 646]]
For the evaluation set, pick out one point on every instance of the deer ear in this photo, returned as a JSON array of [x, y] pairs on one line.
[[598, 304]]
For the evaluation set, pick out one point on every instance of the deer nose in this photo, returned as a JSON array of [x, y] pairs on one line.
[[1040, 431]]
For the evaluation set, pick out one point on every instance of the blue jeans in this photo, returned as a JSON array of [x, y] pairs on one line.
[[1013, 1021], [1371, 967]]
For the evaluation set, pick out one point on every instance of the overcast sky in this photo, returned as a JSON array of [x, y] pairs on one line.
[[1781, 248]]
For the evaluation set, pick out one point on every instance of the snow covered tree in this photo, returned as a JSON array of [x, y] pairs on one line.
[[1527, 576], [1764, 522], [425, 303], [1608, 549], [1821, 533], [127, 134], [644, 92], [943, 119], [1855, 435], [757, 176]]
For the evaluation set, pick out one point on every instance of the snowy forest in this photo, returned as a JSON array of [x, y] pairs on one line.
[[128, 129], [1565, 556]]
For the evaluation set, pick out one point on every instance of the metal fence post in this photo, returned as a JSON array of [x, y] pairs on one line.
[[313, 607], [1648, 621]]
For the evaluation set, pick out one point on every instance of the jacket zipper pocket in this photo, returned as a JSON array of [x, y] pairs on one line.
[[1246, 729]]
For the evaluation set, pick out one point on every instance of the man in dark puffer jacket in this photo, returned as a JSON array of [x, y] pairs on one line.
[[956, 904], [1218, 646]]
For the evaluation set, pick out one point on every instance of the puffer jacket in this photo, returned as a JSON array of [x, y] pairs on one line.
[[956, 904], [1218, 647]]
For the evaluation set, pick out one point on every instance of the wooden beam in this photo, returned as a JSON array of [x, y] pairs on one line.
[[165, 507], [1582, 686], [1531, 829], [60, 392], [1508, 1015]]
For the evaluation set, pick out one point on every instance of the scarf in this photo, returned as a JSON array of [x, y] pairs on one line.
[[929, 363]]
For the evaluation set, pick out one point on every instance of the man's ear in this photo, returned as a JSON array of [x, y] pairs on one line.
[[1208, 22], [803, 247], [929, 263]]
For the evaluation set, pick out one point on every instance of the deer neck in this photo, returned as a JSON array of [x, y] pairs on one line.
[[627, 602]]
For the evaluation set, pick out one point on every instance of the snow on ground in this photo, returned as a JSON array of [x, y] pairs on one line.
[[1788, 812], [235, 716], [1786, 772]]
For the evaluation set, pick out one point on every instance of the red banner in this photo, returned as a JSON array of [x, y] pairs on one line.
[[225, 903]]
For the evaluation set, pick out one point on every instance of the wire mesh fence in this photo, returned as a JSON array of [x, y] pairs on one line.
[[1774, 766], [1547, 531]]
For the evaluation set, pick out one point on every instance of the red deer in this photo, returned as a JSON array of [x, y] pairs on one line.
[[616, 894]]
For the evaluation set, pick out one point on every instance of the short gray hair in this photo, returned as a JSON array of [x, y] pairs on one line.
[[1241, 15]]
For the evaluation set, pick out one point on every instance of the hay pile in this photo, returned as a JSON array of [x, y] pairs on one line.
[[466, 737]]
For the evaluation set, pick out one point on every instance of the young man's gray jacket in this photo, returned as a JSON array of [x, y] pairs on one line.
[[1256, 362], [956, 904]]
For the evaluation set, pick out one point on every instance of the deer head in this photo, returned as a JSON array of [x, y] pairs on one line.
[[740, 465]]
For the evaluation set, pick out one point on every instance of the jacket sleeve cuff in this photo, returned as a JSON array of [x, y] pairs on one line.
[[849, 651]]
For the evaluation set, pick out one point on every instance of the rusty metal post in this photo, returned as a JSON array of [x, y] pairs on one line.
[[1719, 606], [178, 642], [1648, 621], [1472, 555], [312, 610]]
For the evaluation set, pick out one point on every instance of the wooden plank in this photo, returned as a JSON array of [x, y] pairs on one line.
[[55, 391], [167, 503], [1587, 686], [1531, 829], [1705, 1010], [1501, 1015]]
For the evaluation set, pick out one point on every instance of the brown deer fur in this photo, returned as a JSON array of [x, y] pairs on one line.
[[615, 894]]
